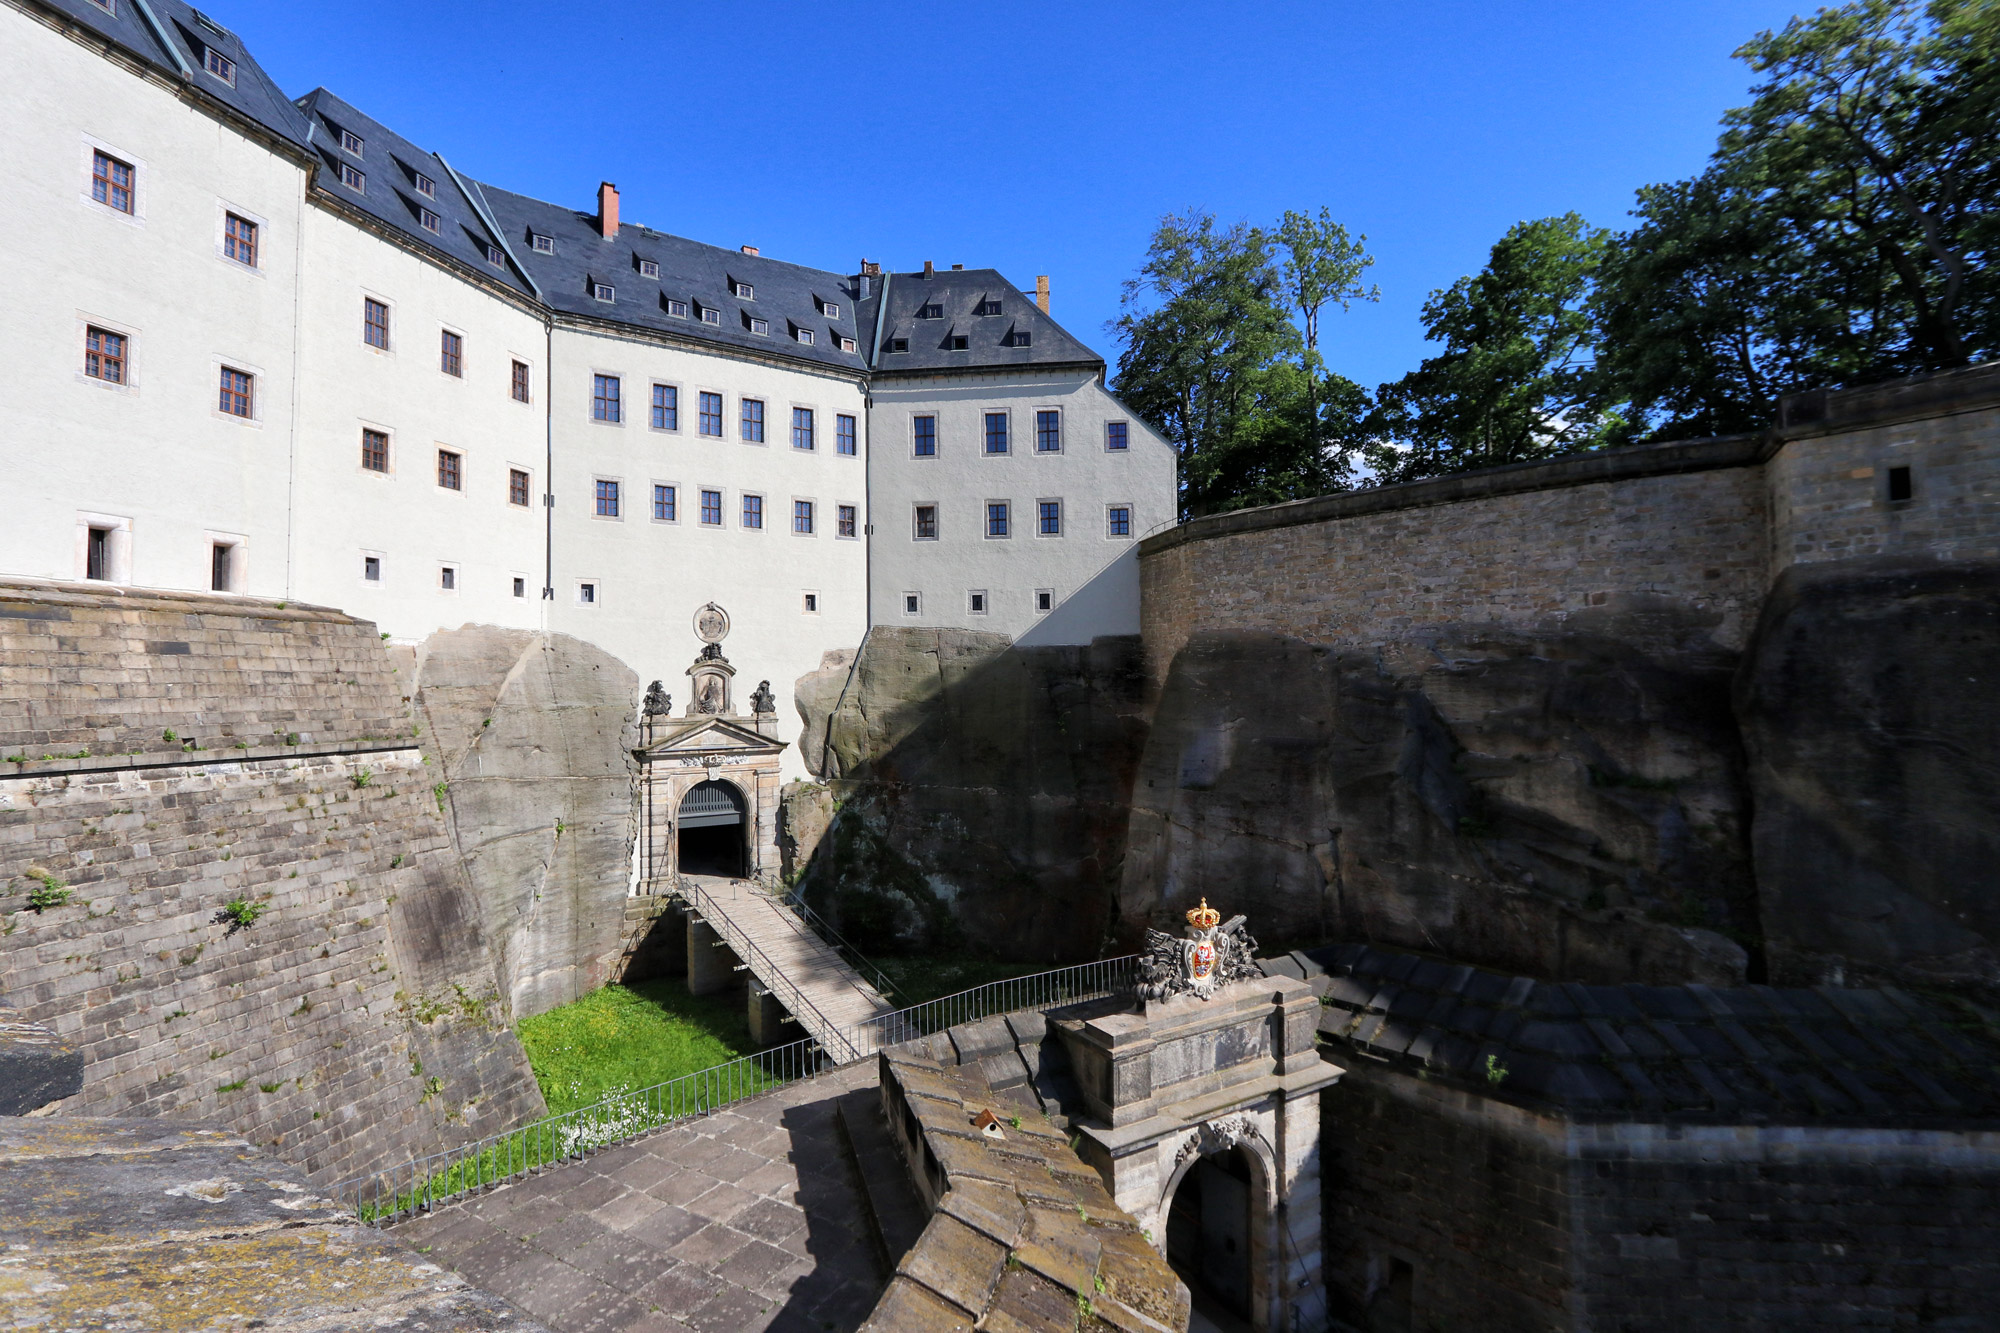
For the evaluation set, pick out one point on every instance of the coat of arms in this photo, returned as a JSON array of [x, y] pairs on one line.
[[1212, 953]]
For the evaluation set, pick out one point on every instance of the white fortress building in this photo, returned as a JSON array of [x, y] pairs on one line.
[[270, 347]]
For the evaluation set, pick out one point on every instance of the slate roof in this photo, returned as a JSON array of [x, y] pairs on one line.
[[992, 340], [1742, 1055]]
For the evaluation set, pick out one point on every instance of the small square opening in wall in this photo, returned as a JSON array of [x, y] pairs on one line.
[[371, 568], [222, 567], [975, 602], [1045, 600], [811, 606], [586, 593], [520, 587], [912, 603], [447, 578], [1902, 487]]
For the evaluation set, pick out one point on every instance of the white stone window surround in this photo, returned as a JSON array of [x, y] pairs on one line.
[[763, 511], [1045, 601], [1062, 518], [223, 208], [464, 486], [1008, 441], [506, 480], [119, 546], [361, 322], [239, 557], [913, 603], [464, 355], [818, 516], [937, 520], [361, 424], [821, 434], [680, 405], [1118, 421], [141, 180], [1132, 521], [937, 433], [85, 322], [860, 520], [694, 406], [704, 489], [259, 390], [680, 502], [595, 595], [516, 579], [1035, 420], [978, 602], [529, 362], [457, 577], [986, 519], [763, 421], [381, 559], [809, 602], [624, 498], [624, 398]]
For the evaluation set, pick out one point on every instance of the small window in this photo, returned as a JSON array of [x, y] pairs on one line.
[[496, 256], [1900, 486], [956, 343], [926, 523], [451, 470], [711, 509], [221, 559], [831, 309], [812, 603], [844, 437], [104, 355], [924, 430], [649, 268], [97, 555], [988, 307], [666, 506], [586, 594], [426, 186], [678, 309], [933, 310], [975, 602], [1048, 432], [666, 407], [911, 601], [375, 450], [237, 389], [752, 423], [431, 221], [1021, 338], [753, 512], [111, 182], [353, 178], [998, 520], [375, 322], [350, 142], [899, 344], [518, 384], [847, 345], [710, 315], [371, 568], [1048, 518], [743, 291], [996, 432], [542, 245], [520, 587], [804, 335], [1115, 438], [1045, 600], [849, 516], [802, 517], [447, 579], [802, 428], [604, 402], [451, 353], [517, 487], [239, 240], [603, 291], [1118, 521], [760, 327], [607, 498], [711, 415]]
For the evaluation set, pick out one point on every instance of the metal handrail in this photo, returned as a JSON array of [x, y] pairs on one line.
[[439, 1177], [796, 1000], [820, 926]]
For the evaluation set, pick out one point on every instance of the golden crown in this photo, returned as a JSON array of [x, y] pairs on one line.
[[1204, 917]]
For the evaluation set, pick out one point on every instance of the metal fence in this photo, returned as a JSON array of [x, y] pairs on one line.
[[426, 1182], [796, 1002]]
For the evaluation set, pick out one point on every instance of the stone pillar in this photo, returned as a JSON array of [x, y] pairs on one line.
[[767, 1016], [1302, 1298], [711, 963]]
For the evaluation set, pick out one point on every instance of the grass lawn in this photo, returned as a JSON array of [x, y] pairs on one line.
[[919, 979], [631, 1037]]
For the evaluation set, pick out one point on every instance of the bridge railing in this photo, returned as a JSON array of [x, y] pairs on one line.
[[437, 1178], [795, 1000], [839, 943]]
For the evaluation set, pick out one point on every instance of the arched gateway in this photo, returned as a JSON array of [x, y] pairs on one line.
[[712, 831]]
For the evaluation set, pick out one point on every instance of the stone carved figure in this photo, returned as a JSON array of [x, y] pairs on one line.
[[710, 699], [711, 624], [1213, 954], [1217, 1136], [658, 702], [762, 700]]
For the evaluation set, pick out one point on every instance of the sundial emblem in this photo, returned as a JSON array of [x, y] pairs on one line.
[[711, 624]]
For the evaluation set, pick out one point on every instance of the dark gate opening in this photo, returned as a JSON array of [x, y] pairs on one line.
[[712, 832], [1208, 1233]]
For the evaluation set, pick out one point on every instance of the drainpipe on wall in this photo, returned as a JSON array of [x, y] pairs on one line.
[[548, 465]]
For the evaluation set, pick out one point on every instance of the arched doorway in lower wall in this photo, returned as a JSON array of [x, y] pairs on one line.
[[1208, 1238], [711, 830]]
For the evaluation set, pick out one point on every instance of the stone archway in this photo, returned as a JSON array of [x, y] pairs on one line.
[[1212, 1219], [711, 830]]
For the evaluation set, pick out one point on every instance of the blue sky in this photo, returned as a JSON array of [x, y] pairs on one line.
[[1049, 138]]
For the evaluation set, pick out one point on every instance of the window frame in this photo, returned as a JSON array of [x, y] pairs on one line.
[[978, 602], [1006, 520], [526, 479], [673, 499], [805, 509], [123, 357], [110, 187], [917, 508], [451, 469], [541, 243], [1123, 427], [749, 505], [809, 425], [451, 353], [352, 144], [607, 491], [430, 221], [664, 415], [648, 268], [846, 435], [1042, 429], [230, 240], [744, 420], [447, 581], [913, 603], [711, 500], [425, 185], [917, 434], [809, 601], [369, 428], [605, 292], [354, 178], [1006, 420], [1043, 515], [247, 392], [521, 380], [847, 521], [607, 409], [1114, 507], [388, 308], [677, 309], [704, 398]]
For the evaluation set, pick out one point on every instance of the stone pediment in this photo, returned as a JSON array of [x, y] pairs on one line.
[[710, 735]]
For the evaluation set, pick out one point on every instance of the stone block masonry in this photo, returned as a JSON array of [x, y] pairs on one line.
[[349, 1017]]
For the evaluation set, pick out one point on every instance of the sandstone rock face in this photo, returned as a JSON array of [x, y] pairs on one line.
[[1871, 704], [534, 735], [1564, 805], [978, 792]]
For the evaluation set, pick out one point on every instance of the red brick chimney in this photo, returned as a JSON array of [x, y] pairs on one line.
[[749, 249], [607, 211], [1042, 292]]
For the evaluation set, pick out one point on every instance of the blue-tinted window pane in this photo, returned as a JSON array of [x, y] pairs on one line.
[[926, 437], [1048, 432], [843, 435], [1114, 435], [996, 432]]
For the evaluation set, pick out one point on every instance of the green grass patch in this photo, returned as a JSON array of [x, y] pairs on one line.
[[624, 1038], [919, 979]]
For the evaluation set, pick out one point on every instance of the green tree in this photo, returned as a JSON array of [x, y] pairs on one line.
[[1514, 381], [1321, 265]]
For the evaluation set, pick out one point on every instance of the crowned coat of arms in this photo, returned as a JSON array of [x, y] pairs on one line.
[[1211, 954]]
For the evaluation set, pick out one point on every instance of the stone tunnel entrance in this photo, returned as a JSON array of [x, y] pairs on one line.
[[712, 830], [1209, 1236]]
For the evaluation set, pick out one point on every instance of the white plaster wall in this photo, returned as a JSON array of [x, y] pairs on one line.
[[1094, 577], [652, 577], [155, 454], [403, 517]]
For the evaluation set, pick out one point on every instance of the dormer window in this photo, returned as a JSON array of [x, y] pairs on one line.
[[847, 345], [710, 315], [743, 291], [426, 187], [351, 177], [1021, 338], [955, 343], [831, 309], [988, 306], [350, 142], [220, 65], [760, 327], [430, 220], [804, 335], [496, 257], [648, 268], [899, 344], [678, 309], [603, 291], [933, 310], [544, 245]]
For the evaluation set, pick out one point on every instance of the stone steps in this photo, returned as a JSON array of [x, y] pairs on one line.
[[896, 1215]]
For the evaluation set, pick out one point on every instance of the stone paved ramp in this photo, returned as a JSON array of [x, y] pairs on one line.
[[746, 1220]]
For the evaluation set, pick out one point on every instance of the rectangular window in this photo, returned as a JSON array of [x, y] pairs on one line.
[[219, 562], [1900, 487], [496, 256], [604, 404], [351, 176], [678, 309], [753, 420], [235, 397], [450, 470], [711, 508], [1114, 435], [844, 438], [586, 594], [1048, 517], [375, 450], [451, 353], [104, 355], [760, 327], [802, 428], [97, 555], [802, 517], [111, 182], [371, 568], [812, 604], [220, 65], [426, 186], [753, 511], [996, 432], [665, 506], [975, 603], [520, 382], [911, 601], [710, 315], [607, 498], [375, 322], [430, 220], [542, 245], [848, 524], [989, 306], [1118, 521], [711, 414], [996, 518], [350, 142], [517, 487], [831, 309], [1045, 599], [804, 335], [649, 268], [1048, 432], [239, 240], [447, 578], [957, 342], [520, 587], [666, 407], [847, 345], [1021, 338], [926, 436], [899, 344], [744, 291], [603, 291], [926, 523], [932, 310]]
